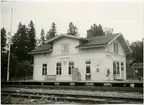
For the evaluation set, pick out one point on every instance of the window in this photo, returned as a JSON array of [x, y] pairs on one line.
[[88, 63], [108, 72], [71, 66], [87, 69], [58, 69], [44, 69], [97, 70], [115, 47], [116, 68], [122, 66], [65, 48]]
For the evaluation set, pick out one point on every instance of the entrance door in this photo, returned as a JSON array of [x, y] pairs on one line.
[[88, 70], [122, 70], [116, 70]]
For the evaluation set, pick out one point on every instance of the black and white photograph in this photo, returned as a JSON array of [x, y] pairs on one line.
[[72, 52]]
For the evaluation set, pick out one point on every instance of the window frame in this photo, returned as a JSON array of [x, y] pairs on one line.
[[70, 67], [122, 66], [65, 48], [116, 67], [44, 69], [59, 68], [115, 47], [88, 64]]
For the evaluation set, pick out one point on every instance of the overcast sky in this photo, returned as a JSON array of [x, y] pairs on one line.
[[124, 17]]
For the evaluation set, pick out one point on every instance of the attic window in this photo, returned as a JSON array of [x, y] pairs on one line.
[[115, 47], [65, 48]]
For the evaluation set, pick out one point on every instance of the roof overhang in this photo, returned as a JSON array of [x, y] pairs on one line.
[[40, 52], [137, 65], [85, 47]]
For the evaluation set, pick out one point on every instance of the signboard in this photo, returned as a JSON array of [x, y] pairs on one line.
[[65, 58]]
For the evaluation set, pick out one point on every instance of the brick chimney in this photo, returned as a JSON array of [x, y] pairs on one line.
[[89, 33]]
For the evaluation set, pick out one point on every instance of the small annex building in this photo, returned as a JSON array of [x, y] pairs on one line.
[[72, 58], [138, 70]]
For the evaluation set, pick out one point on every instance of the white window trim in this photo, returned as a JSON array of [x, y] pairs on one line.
[[45, 69], [56, 69], [88, 65], [65, 48], [69, 65], [115, 47]]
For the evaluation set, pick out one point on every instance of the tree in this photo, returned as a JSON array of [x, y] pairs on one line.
[[72, 29], [23, 42], [52, 32], [108, 31], [31, 44], [137, 52], [42, 38], [48, 35], [96, 30], [20, 42], [15, 39], [31, 36], [3, 54]]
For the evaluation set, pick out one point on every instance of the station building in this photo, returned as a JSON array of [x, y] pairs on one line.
[[72, 58]]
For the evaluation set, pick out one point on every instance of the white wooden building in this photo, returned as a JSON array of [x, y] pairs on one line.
[[69, 58]]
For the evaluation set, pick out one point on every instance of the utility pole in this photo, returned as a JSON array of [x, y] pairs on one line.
[[8, 67]]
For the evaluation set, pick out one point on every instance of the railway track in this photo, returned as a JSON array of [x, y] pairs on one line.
[[72, 97], [90, 88]]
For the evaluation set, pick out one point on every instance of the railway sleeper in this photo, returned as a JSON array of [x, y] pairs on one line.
[[64, 83], [117, 84], [79, 84], [48, 83], [98, 84], [138, 85]]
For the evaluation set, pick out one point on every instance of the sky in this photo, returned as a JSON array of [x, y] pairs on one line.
[[123, 17]]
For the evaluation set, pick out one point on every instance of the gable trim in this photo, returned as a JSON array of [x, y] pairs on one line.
[[130, 51], [113, 40], [70, 36]]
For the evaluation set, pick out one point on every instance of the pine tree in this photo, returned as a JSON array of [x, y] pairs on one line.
[[72, 29], [52, 32], [96, 30], [15, 39], [31, 44], [42, 38], [31, 36], [20, 42], [48, 35], [3, 54], [100, 30]]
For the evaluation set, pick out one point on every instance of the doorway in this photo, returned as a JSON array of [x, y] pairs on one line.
[[88, 70], [116, 70]]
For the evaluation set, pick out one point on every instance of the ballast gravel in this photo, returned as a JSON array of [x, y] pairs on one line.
[[79, 92]]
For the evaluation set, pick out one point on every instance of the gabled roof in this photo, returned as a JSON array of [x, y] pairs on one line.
[[137, 65], [98, 41], [65, 35], [45, 48]]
